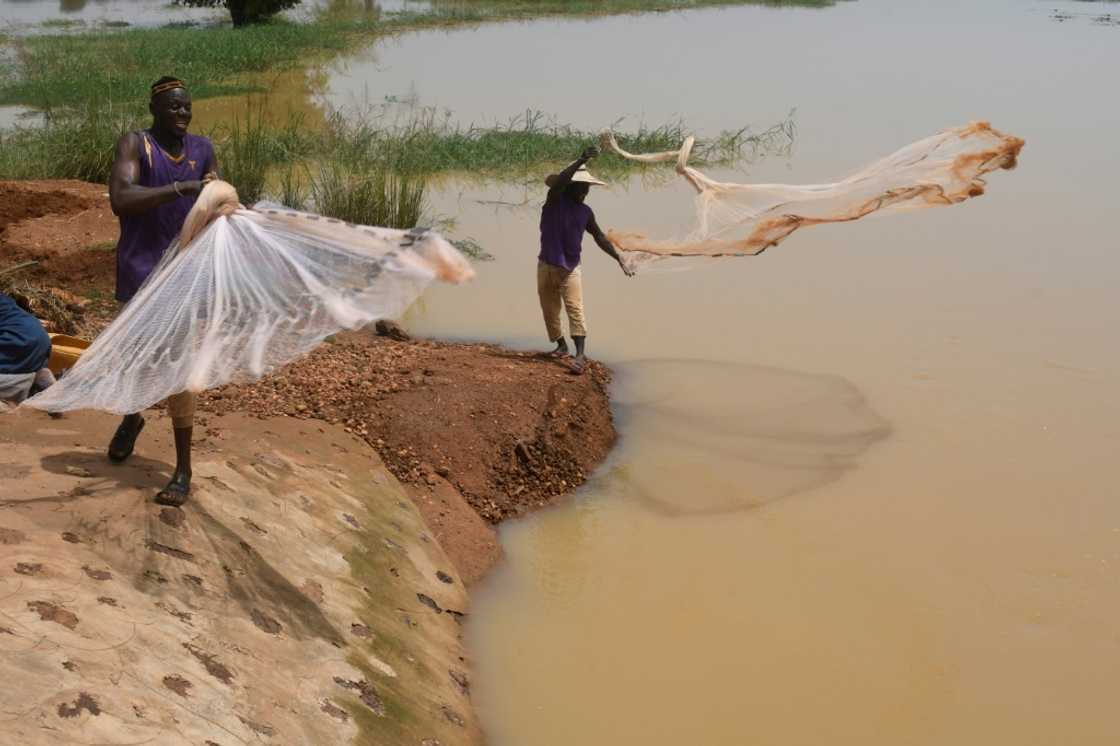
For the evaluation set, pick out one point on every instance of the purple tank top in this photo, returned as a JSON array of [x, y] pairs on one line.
[[563, 222], [145, 237]]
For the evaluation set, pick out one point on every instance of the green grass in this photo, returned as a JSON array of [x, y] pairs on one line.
[[293, 188], [259, 158], [60, 70], [74, 144], [368, 194], [245, 154], [530, 144], [92, 87], [117, 66], [61, 23]]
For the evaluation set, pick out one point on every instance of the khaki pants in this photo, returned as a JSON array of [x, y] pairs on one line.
[[556, 286]]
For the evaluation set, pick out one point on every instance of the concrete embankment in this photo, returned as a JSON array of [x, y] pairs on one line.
[[298, 599]]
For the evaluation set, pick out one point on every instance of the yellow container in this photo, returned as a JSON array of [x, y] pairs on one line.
[[65, 351]]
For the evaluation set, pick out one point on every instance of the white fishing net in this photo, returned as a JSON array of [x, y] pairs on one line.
[[746, 219], [241, 293]]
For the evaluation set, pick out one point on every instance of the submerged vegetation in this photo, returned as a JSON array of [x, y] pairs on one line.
[[485, 10]]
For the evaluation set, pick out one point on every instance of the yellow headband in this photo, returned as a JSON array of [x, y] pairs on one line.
[[168, 86]]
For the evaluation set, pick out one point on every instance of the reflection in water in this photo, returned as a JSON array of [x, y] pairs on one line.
[[720, 436], [28, 16], [19, 116], [23, 15]]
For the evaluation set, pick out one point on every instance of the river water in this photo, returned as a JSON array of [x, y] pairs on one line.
[[25, 17], [866, 486]]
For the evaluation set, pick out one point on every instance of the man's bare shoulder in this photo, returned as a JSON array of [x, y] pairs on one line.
[[129, 144]]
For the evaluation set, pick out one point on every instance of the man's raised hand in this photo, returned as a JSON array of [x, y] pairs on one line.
[[590, 152]]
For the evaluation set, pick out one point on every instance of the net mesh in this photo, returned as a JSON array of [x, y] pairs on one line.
[[241, 293], [746, 219]]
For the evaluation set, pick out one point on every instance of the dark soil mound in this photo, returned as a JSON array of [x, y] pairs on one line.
[[18, 204]]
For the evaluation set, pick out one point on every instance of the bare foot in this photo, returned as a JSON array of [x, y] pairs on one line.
[[578, 365]]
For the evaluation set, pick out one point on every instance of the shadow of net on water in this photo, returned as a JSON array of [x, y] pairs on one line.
[[702, 437]]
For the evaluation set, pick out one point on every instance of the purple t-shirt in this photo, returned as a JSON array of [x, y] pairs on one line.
[[146, 236], [563, 222]]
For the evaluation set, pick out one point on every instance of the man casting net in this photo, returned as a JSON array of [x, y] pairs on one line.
[[241, 293]]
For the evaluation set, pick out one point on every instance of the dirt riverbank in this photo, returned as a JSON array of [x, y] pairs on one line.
[[478, 433], [297, 546]]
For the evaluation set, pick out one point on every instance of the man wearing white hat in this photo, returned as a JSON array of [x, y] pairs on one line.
[[564, 219]]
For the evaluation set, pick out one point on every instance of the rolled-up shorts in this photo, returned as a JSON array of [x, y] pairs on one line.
[[180, 407]]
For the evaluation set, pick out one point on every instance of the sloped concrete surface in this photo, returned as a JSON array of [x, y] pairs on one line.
[[297, 599]]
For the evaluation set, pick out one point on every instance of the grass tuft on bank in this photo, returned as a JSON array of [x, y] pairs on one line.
[[77, 144], [261, 158]]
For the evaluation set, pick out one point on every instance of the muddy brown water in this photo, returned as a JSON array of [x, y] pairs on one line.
[[865, 488]]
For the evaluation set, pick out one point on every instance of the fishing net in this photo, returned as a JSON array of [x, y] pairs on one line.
[[242, 292], [747, 219]]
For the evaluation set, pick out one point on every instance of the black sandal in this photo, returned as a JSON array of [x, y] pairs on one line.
[[174, 494], [124, 440]]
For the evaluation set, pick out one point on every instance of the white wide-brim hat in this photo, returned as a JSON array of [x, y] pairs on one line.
[[583, 176]]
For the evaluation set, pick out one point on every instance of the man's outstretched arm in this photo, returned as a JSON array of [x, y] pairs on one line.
[[606, 245], [557, 182]]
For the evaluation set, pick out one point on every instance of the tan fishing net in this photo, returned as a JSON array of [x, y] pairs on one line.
[[746, 219], [241, 293]]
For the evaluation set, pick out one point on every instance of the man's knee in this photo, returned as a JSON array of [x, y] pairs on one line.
[[42, 351]]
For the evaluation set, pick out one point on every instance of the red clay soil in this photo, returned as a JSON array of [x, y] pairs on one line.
[[69, 229], [477, 433], [43, 218], [511, 431]]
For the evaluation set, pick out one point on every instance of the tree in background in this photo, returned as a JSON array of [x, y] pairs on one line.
[[245, 11]]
